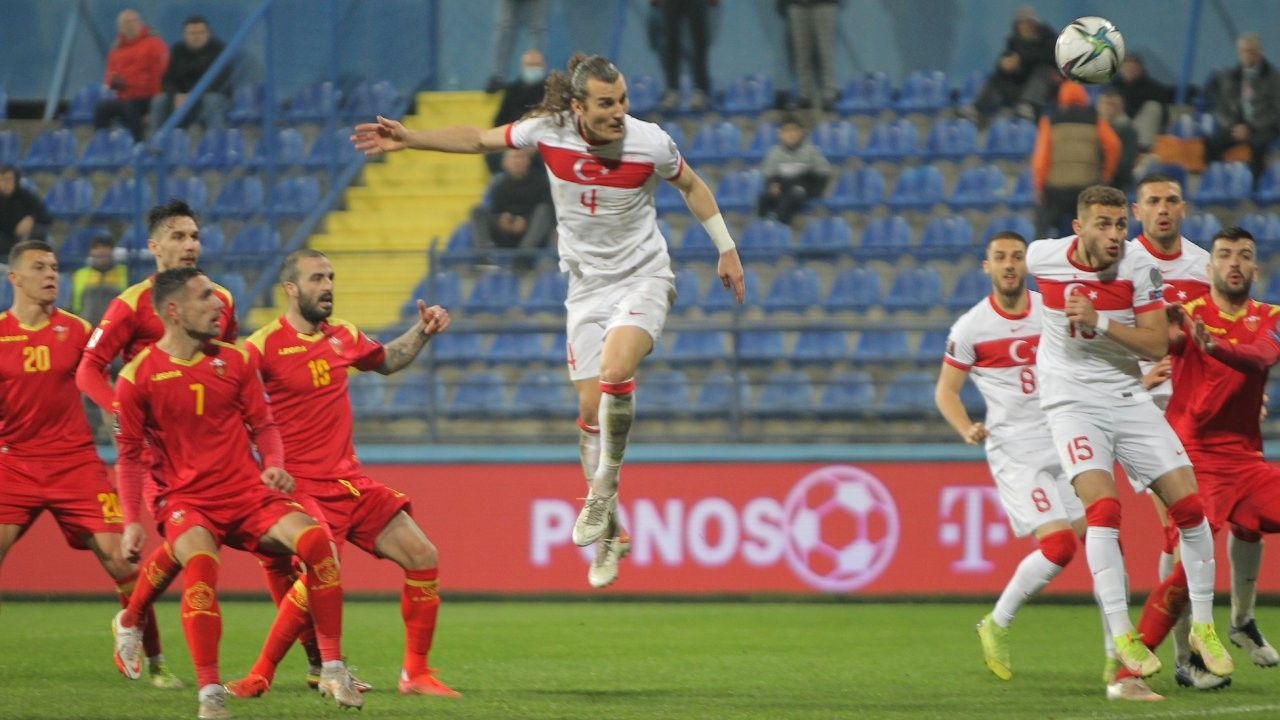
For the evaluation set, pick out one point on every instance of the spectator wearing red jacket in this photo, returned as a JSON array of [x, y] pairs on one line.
[[135, 66]]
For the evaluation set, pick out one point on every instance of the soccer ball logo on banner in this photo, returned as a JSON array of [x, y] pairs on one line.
[[842, 528]]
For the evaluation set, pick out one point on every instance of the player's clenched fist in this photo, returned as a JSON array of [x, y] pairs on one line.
[[1080, 310], [277, 478], [435, 319], [976, 433]]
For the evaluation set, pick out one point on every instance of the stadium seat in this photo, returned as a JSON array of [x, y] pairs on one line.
[[948, 237], [1268, 192], [973, 401], [1271, 289], [821, 346], [978, 188], [869, 94], [284, 148], [173, 146], [933, 344], [240, 197], [909, 394], [750, 96], [644, 95], [107, 150], [1009, 139], [688, 288], [10, 148], [923, 91], [556, 351], [1015, 223], [235, 284], [1023, 195], [785, 394], [459, 250], [881, 345], [667, 198], [968, 90], [218, 149], [314, 102], [80, 108], [698, 347], [885, 237], [695, 244], [414, 395], [332, 148], [847, 394], [366, 101], [120, 201], [547, 293], [51, 151], [1265, 227], [453, 348], [479, 395], [918, 188], [717, 299], [826, 236], [134, 240], [246, 105], [494, 292], [891, 141], [666, 393], [738, 190], [69, 198], [212, 242], [916, 289], [253, 245], [837, 139], [673, 130], [794, 290], [442, 288], [764, 239], [854, 289], [715, 143], [765, 137], [368, 394], [1224, 184], [858, 189], [544, 394], [75, 246], [6, 294], [972, 286], [4, 104], [722, 394], [951, 139], [296, 197], [761, 346], [1193, 125], [1200, 227]]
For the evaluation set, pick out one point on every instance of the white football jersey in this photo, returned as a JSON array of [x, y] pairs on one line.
[[1074, 360], [603, 194], [1185, 279], [998, 351]]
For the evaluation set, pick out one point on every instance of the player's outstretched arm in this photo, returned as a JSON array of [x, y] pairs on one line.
[[386, 135], [704, 207], [946, 395], [400, 352], [1252, 357]]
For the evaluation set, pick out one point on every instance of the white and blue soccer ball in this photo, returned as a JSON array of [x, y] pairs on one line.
[[1089, 50]]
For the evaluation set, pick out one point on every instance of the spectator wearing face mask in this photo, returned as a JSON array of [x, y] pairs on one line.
[[519, 96]]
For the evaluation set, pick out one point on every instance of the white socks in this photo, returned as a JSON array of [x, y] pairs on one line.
[[617, 410], [1197, 559], [1102, 549], [1246, 558], [1033, 573]]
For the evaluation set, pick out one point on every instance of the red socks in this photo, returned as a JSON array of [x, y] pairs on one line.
[[201, 617], [419, 606], [324, 589], [291, 617]]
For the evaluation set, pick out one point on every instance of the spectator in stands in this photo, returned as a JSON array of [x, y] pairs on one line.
[[98, 282], [1075, 148], [1025, 72], [533, 19], [795, 172], [520, 96], [1246, 103], [1146, 101], [811, 26], [23, 215], [188, 61], [675, 15], [135, 65], [519, 215], [1110, 107]]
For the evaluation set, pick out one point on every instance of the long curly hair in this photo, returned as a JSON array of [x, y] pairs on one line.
[[561, 88]]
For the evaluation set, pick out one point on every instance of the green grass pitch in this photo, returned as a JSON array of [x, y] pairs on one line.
[[631, 660]]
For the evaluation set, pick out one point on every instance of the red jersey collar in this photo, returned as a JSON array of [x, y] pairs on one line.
[[991, 298]]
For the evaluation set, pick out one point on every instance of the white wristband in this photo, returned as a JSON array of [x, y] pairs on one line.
[[719, 233], [1103, 324]]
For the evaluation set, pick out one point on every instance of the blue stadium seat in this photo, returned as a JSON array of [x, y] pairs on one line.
[[246, 105], [766, 136], [644, 95], [717, 396], [738, 191], [870, 93], [134, 240], [218, 149], [1015, 223], [667, 198], [51, 151], [1176, 171], [1009, 139], [460, 248], [1193, 125], [973, 401], [479, 395], [968, 90], [240, 197], [1023, 195], [858, 189], [556, 351], [972, 286], [1265, 227], [235, 284], [688, 289], [547, 293], [881, 345], [1271, 289], [761, 346], [119, 202], [4, 105], [716, 142], [933, 344], [821, 346], [413, 394], [1268, 192], [332, 148], [284, 148], [452, 348], [75, 246], [80, 108], [951, 139], [442, 288], [69, 198], [666, 393], [918, 188], [909, 394], [173, 146], [107, 150], [695, 244], [923, 91], [750, 95], [948, 237], [296, 197], [1224, 184], [891, 141], [847, 394], [854, 289], [764, 239], [785, 394], [494, 292], [6, 294], [315, 102], [10, 148], [253, 245], [837, 139], [825, 236], [916, 289], [884, 237], [673, 130], [365, 101], [794, 290], [978, 188], [368, 394], [1200, 227], [698, 347], [717, 299], [544, 393]]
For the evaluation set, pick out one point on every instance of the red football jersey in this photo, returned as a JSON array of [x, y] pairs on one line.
[[305, 376], [129, 325], [43, 414], [1215, 405], [194, 414]]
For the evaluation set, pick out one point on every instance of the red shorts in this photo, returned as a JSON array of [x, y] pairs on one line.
[[75, 489], [238, 521], [1238, 488], [357, 508]]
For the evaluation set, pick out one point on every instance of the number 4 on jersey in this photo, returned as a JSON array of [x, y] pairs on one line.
[[588, 200]]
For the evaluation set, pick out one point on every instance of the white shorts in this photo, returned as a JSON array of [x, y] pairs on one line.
[[1033, 488], [641, 302], [1094, 436]]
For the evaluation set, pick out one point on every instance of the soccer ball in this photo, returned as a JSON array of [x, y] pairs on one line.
[[842, 528], [1089, 50]]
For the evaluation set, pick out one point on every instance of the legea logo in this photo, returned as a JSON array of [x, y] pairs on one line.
[[837, 529]]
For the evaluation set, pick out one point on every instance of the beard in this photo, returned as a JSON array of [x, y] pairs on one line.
[[1015, 291], [312, 312], [1235, 295]]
